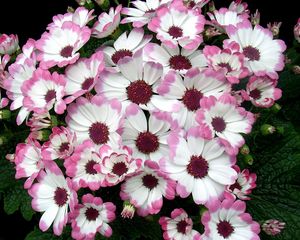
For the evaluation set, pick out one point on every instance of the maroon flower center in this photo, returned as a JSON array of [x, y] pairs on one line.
[[60, 196], [218, 124], [64, 147], [236, 185], [182, 226], [179, 62], [225, 65], [66, 51], [225, 229], [139, 92], [120, 54], [89, 167], [175, 32], [198, 167], [91, 214], [252, 53], [191, 4], [50, 95], [99, 133], [255, 94], [147, 142], [87, 83], [191, 99], [150, 181], [119, 168]]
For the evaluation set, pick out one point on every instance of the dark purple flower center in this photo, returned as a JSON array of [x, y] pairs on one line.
[[89, 167], [118, 55], [87, 83], [64, 147], [149, 181], [139, 92], [175, 32], [60, 196], [99, 133], [191, 99], [191, 4], [66, 51], [198, 167], [225, 229], [255, 94], [119, 168], [182, 226], [218, 124], [225, 65], [51, 94], [91, 214], [147, 142], [179, 62], [236, 185], [252, 53]]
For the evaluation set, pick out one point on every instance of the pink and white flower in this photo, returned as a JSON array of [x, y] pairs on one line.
[[223, 118], [239, 7], [92, 216], [8, 44], [228, 220], [179, 226], [107, 23], [3, 75], [39, 121], [297, 31], [53, 195], [273, 227], [200, 167], [243, 185], [28, 52], [96, 119], [262, 91], [59, 46], [145, 190], [177, 25], [263, 54], [43, 91]]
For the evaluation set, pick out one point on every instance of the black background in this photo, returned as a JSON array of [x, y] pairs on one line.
[[29, 18]]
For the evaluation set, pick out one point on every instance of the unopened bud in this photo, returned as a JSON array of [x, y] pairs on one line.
[[296, 69], [245, 150], [274, 28], [273, 227], [5, 114], [104, 4], [81, 2], [267, 129], [276, 108], [248, 159], [211, 6], [128, 210], [255, 18], [70, 10]]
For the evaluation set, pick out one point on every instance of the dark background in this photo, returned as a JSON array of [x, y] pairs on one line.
[[29, 18]]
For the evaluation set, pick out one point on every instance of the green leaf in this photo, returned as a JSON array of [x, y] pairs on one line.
[[37, 234]]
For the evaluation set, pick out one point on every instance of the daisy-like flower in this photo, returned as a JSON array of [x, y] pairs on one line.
[[59, 46], [117, 164], [83, 166], [60, 145], [82, 76], [229, 59], [228, 220], [125, 46], [53, 195], [263, 55], [262, 91], [39, 121], [8, 44], [177, 25], [177, 59], [143, 12], [107, 23], [43, 91], [223, 118], [201, 167], [243, 185], [188, 91], [145, 190], [146, 138], [91, 217], [96, 119], [179, 226]]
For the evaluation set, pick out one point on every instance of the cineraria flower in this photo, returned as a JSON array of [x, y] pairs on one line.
[[92, 216], [39, 121], [53, 195], [179, 226], [262, 91], [28, 161], [28, 52], [229, 59], [223, 118], [125, 46], [146, 138], [239, 7], [96, 119], [8, 44], [188, 91], [177, 25], [243, 185], [60, 145], [128, 210], [60, 45], [201, 167], [43, 91], [177, 59], [117, 164], [273, 227], [146, 189], [263, 54], [82, 76], [107, 23], [143, 12], [84, 167], [228, 220]]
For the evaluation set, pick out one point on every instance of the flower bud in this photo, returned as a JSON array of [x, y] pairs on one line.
[[104, 4], [274, 28], [296, 69], [255, 18], [128, 210], [8, 44], [276, 108], [297, 31], [245, 150], [273, 227], [5, 114], [267, 129], [248, 159]]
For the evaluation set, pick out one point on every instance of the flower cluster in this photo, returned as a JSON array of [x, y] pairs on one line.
[[159, 112]]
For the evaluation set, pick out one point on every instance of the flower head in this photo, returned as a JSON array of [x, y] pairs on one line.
[[8, 44], [273, 227]]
